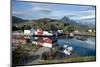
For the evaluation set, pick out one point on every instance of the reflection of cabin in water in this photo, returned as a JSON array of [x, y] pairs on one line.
[[43, 41]]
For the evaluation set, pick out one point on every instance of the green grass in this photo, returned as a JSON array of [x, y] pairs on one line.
[[82, 59], [22, 52], [88, 33], [76, 59]]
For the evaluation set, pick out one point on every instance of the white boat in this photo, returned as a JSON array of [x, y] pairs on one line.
[[68, 50]]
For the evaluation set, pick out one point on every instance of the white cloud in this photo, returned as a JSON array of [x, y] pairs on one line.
[[41, 9], [83, 17], [74, 15]]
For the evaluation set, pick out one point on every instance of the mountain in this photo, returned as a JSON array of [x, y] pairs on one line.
[[87, 24], [17, 19], [79, 23], [47, 20], [67, 20]]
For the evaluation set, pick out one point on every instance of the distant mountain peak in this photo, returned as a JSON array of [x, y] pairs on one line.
[[17, 19], [65, 18]]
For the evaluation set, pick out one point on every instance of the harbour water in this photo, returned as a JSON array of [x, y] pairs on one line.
[[83, 48]]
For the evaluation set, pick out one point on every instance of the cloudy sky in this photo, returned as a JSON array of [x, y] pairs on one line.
[[30, 10]]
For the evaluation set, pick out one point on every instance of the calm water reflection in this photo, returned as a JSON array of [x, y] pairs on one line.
[[84, 48]]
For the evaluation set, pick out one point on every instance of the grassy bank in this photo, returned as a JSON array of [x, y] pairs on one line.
[[22, 53], [87, 34], [76, 59]]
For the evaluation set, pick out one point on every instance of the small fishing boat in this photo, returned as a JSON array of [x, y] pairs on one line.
[[66, 49]]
